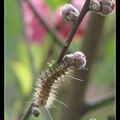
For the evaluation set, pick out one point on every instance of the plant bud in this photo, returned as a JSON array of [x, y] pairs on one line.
[[69, 13], [35, 111], [77, 60], [107, 7], [103, 7], [95, 5]]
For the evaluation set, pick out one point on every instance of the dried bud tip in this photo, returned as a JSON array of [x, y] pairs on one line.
[[69, 12]]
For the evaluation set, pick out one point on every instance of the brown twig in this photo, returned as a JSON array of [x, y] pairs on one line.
[[28, 113], [94, 33], [84, 10]]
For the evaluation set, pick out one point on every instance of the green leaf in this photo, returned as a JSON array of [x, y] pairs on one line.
[[24, 76], [55, 3], [52, 65]]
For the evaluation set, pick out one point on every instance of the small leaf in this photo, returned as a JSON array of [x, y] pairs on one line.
[[52, 65], [24, 76]]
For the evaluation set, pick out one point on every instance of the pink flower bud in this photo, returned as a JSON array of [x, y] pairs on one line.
[[64, 28], [77, 60], [103, 7], [107, 7], [69, 12]]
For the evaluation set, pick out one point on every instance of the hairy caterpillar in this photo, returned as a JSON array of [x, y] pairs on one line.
[[50, 81]]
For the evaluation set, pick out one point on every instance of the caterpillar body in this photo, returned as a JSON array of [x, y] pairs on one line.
[[48, 85], [49, 82]]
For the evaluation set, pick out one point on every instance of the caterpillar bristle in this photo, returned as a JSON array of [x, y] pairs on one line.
[[74, 78], [50, 81], [55, 107], [61, 102], [49, 114]]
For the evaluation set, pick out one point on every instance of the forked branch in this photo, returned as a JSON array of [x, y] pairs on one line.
[[84, 10]]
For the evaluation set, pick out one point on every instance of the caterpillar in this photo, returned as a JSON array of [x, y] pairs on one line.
[[49, 82]]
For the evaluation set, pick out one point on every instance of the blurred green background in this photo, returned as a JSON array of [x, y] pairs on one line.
[[19, 79]]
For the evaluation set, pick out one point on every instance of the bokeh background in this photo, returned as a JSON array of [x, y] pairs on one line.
[[27, 55]]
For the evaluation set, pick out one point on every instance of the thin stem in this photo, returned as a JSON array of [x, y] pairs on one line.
[[98, 104], [84, 10], [93, 32], [28, 113]]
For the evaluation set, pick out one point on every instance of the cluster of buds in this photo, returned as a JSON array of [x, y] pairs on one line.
[[77, 60], [103, 7], [69, 13]]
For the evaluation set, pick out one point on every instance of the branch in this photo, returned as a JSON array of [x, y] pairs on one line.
[[84, 10], [74, 97], [28, 113], [98, 104]]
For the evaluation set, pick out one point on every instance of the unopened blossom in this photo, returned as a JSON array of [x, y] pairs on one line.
[[107, 6], [69, 12], [64, 27], [103, 7], [77, 59]]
